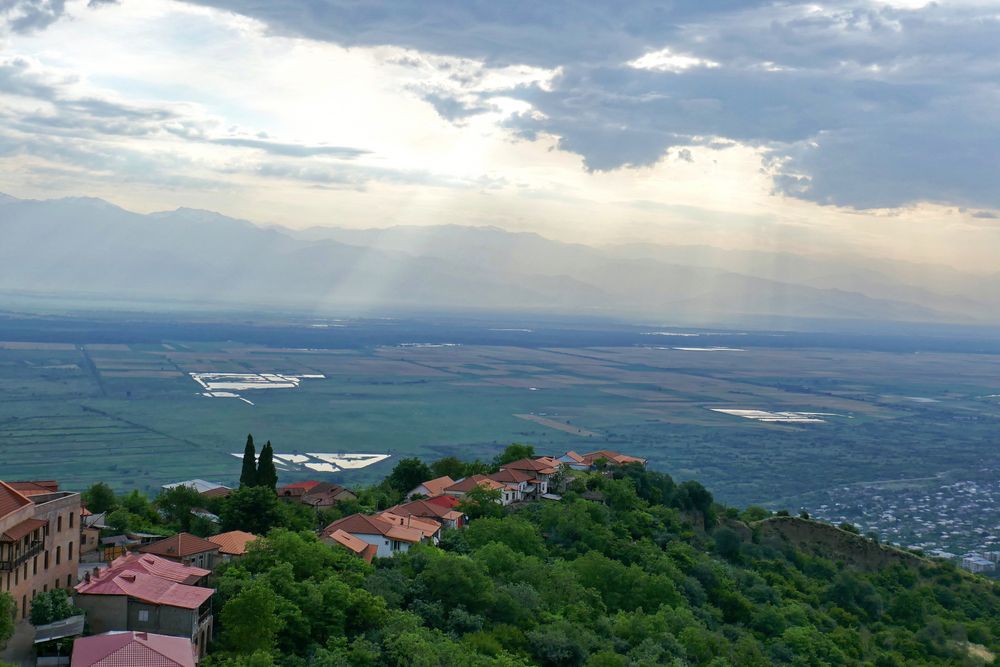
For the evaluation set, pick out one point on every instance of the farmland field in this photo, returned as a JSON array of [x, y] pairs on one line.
[[103, 399]]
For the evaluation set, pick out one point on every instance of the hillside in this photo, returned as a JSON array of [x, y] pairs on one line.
[[613, 574], [90, 247]]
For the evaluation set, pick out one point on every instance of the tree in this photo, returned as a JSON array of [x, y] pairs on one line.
[[480, 502], [253, 509], [99, 498], [727, 543], [449, 466], [248, 476], [249, 620], [8, 608], [267, 474], [176, 505], [119, 521], [407, 474], [514, 452], [51, 607]]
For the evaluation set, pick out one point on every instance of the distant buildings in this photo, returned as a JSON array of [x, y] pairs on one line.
[[232, 544], [977, 563], [386, 536], [39, 540]]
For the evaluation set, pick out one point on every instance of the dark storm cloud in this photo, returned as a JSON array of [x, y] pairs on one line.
[[852, 103]]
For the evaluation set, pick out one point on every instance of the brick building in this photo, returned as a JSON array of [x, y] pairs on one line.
[[39, 540]]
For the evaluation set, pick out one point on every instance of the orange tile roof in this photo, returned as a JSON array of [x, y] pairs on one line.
[[436, 486], [35, 487], [353, 544], [360, 524], [11, 500], [234, 542], [428, 509], [427, 527], [180, 545], [614, 457]]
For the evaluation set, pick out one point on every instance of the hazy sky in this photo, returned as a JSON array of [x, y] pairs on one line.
[[826, 127]]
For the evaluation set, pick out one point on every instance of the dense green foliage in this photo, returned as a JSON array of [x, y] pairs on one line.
[[248, 475], [267, 474], [52, 606], [8, 608], [644, 572]]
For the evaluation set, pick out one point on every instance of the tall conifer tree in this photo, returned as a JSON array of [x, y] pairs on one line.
[[248, 476], [267, 474]]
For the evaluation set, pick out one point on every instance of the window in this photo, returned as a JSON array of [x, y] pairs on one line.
[[58, 555], [69, 581], [46, 559], [59, 523], [143, 616], [71, 515], [34, 565], [69, 554]]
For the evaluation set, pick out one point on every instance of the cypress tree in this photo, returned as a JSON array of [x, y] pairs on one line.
[[267, 474], [248, 476]]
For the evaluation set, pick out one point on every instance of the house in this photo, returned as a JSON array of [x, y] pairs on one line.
[[115, 649], [185, 548], [519, 485], [315, 494], [430, 529], [541, 469], [126, 599], [207, 489], [463, 486], [431, 488], [976, 563], [91, 526], [39, 540], [388, 538], [574, 461], [232, 544], [353, 544], [588, 461], [443, 514]]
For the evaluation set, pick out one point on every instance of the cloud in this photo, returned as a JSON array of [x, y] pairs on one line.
[[291, 150], [853, 103], [30, 15]]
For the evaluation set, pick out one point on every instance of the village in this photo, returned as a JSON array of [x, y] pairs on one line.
[[88, 596]]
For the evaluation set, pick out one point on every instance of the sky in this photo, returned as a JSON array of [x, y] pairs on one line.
[[867, 128]]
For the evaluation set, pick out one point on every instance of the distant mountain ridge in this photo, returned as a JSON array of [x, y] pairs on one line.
[[89, 245]]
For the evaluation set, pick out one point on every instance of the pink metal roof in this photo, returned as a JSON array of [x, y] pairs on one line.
[[148, 588], [157, 566], [133, 649]]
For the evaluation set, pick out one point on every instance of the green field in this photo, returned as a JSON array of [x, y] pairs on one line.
[[132, 416]]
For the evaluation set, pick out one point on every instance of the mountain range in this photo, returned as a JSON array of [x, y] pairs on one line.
[[87, 246]]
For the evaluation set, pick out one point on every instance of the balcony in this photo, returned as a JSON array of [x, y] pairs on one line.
[[33, 549]]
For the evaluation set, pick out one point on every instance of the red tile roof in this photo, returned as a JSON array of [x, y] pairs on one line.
[[146, 587], [531, 465], [467, 484], [18, 531], [444, 501], [133, 649], [11, 500], [427, 527], [234, 542], [35, 487], [158, 567], [612, 456], [305, 486], [511, 476], [426, 509], [180, 545]]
